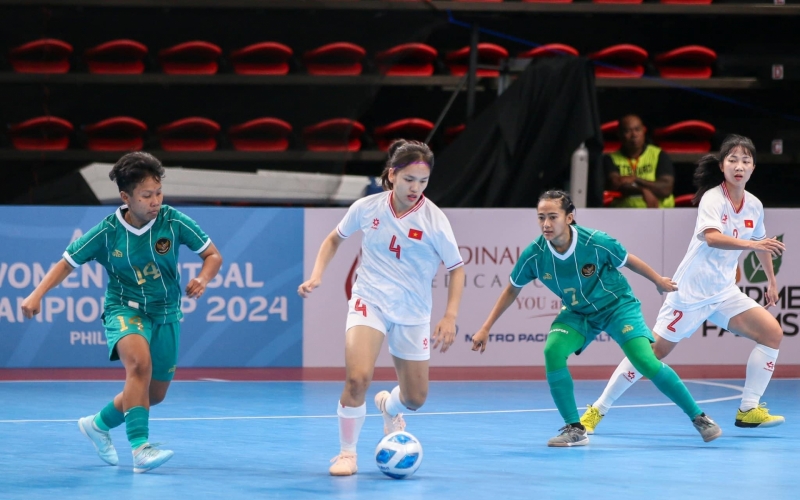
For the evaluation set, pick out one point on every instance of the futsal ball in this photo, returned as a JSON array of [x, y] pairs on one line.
[[398, 455]]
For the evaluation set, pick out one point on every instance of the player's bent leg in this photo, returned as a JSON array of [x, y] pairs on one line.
[[759, 325], [562, 341], [410, 394], [667, 381], [158, 391]]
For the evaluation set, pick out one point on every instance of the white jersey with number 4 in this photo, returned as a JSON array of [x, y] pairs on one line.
[[708, 275], [400, 255]]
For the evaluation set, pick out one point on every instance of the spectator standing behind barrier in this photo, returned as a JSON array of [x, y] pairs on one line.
[[642, 172]]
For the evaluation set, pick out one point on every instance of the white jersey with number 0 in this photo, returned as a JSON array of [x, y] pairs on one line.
[[400, 255], [708, 275]]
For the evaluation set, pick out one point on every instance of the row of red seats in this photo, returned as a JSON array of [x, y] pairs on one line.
[[344, 58], [123, 133], [688, 136]]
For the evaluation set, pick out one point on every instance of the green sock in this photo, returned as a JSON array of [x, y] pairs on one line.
[[136, 427], [108, 418], [670, 384], [562, 389]]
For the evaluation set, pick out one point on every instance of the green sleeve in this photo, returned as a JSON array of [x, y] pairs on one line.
[[89, 246], [525, 270], [609, 249], [189, 232]]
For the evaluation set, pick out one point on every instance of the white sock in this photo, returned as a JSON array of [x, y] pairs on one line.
[[350, 422], [393, 404], [624, 376], [760, 366]]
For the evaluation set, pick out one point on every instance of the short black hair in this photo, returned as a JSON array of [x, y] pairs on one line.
[[133, 168]]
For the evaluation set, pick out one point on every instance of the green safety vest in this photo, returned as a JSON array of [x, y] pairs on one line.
[[643, 167]]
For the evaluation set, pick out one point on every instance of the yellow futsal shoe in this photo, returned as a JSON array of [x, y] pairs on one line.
[[757, 417], [344, 464], [591, 418]]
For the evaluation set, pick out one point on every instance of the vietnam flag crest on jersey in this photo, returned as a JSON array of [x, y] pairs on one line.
[[748, 223], [415, 234]]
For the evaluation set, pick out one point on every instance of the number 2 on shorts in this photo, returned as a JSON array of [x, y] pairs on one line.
[[679, 314]]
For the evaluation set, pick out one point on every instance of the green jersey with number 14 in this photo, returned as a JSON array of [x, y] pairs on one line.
[[142, 264], [586, 276]]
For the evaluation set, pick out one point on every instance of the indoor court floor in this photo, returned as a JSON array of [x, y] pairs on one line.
[[482, 440]]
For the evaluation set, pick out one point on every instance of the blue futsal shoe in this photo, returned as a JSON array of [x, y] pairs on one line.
[[148, 457], [100, 439]]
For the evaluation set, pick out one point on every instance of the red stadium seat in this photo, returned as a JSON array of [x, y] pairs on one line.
[[43, 133], [547, 1], [684, 200], [189, 134], [338, 134], [335, 59], [488, 54], [190, 58], [611, 140], [116, 57], [451, 133], [416, 129], [691, 61], [264, 58], [617, 1], [47, 55], [261, 134], [694, 2], [120, 133], [408, 59], [549, 50], [610, 196], [690, 136], [619, 61]]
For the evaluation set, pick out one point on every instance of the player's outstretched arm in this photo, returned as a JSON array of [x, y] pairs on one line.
[[507, 297], [772, 282], [326, 252], [640, 267], [33, 302], [715, 239], [212, 261], [445, 332]]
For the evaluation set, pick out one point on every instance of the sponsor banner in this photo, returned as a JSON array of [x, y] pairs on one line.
[[249, 316], [491, 241]]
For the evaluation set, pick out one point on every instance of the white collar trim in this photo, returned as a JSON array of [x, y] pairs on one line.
[[138, 232], [572, 245]]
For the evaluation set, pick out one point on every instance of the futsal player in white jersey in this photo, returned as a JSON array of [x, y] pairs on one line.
[[405, 239], [729, 220]]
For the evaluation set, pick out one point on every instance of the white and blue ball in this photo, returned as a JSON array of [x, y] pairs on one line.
[[398, 455]]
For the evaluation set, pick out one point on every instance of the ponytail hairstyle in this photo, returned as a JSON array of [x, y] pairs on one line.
[[403, 153], [566, 202], [708, 173]]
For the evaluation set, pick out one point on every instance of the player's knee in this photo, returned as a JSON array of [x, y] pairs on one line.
[[772, 337], [553, 355], [415, 399], [357, 384], [660, 350], [139, 367], [157, 397]]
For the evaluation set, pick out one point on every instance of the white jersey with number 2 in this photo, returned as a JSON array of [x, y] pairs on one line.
[[708, 275], [400, 255]]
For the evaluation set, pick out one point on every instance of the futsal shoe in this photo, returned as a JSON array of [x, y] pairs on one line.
[[571, 435], [757, 417], [708, 429], [390, 424], [344, 464], [100, 439], [591, 418], [148, 457]]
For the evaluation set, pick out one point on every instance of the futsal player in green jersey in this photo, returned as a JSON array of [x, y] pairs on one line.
[[581, 266], [138, 245]]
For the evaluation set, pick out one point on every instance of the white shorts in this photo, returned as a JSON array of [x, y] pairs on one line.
[[410, 342], [674, 325]]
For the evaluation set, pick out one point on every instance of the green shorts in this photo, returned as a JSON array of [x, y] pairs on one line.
[[120, 321], [622, 321]]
